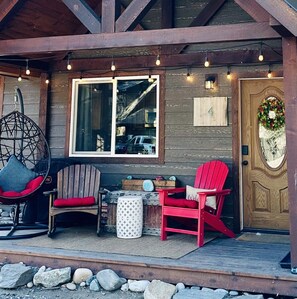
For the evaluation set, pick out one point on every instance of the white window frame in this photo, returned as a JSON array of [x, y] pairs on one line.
[[73, 121]]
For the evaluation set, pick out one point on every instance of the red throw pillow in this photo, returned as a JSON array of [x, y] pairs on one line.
[[182, 203], [74, 201]]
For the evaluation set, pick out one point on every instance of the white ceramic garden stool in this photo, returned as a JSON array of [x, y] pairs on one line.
[[129, 217]]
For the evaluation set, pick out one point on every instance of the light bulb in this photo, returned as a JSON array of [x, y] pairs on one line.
[[158, 61], [150, 79], [69, 66], [206, 62], [20, 78], [27, 68], [188, 76], [229, 75], [47, 81], [113, 68], [261, 57], [269, 74]]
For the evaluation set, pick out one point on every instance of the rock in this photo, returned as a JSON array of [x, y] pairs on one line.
[[89, 280], [158, 289], [248, 296], [180, 286], [233, 293], [71, 286], [138, 285], [52, 278], [125, 287], [109, 280], [221, 291], [15, 275], [82, 284], [81, 274], [30, 285], [94, 286], [204, 293]]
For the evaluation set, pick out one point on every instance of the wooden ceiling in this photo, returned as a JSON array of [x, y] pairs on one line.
[[95, 32]]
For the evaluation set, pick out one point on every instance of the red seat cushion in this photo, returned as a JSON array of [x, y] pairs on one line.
[[74, 201], [182, 203]]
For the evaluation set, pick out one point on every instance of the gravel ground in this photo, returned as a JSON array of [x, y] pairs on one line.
[[63, 293]]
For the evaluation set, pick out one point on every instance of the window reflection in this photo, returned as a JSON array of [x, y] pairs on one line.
[[115, 117], [136, 117]]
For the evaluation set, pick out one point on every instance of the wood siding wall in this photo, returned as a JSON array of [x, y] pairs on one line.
[[186, 146], [31, 96]]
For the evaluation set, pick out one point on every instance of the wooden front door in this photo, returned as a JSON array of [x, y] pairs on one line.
[[264, 167]]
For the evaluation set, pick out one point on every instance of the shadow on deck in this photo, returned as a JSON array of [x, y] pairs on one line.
[[222, 263]]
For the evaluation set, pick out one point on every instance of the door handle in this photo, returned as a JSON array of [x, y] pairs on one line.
[[245, 162]]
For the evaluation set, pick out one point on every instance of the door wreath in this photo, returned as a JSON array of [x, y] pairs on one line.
[[271, 113]]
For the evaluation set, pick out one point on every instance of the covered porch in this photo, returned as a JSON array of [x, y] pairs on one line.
[[122, 33], [233, 264]]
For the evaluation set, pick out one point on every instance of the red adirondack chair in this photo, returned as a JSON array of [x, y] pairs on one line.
[[209, 176]]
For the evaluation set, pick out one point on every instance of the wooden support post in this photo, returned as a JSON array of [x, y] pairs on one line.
[[290, 89]]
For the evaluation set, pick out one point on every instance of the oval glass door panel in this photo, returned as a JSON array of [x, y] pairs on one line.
[[272, 137]]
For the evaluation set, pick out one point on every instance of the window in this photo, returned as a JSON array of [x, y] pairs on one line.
[[115, 117]]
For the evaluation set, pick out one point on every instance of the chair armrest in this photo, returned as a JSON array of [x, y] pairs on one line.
[[163, 193], [210, 193], [48, 193], [204, 194], [102, 192]]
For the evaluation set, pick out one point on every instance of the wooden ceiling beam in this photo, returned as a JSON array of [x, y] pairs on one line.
[[217, 58], [85, 14], [14, 71], [7, 7], [133, 14], [256, 11], [111, 10], [279, 28], [175, 36], [282, 12]]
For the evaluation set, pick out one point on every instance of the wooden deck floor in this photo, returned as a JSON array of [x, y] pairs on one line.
[[222, 263]]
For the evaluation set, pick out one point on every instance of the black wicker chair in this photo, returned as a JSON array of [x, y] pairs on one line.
[[24, 164]]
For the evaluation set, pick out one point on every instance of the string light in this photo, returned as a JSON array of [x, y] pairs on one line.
[[150, 79], [20, 76], [206, 62], [189, 78], [47, 81], [261, 56], [269, 74], [27, 67], [113, 67], [229, 74], [158, 61], [69, 66]]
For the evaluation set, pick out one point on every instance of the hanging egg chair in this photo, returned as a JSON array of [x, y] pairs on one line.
[[24, 164]]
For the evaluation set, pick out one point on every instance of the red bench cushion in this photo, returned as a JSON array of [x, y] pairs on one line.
[[74, 201]]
